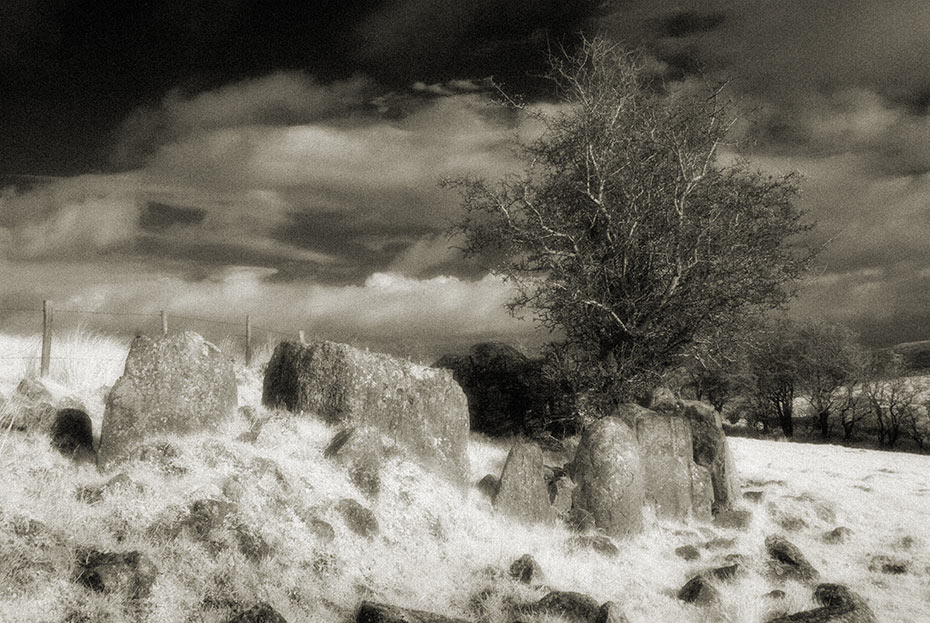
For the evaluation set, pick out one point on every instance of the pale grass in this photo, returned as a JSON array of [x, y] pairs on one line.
[[439, 545]]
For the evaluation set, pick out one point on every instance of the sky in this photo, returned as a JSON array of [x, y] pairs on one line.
[[218, 158]]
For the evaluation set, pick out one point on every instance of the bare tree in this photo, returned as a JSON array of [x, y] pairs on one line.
[[626, 234], [893, 397]]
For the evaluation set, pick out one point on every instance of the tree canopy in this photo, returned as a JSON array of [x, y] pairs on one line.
[[628, 233]]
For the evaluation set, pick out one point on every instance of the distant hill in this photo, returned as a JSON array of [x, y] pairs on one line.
[[916, 354]]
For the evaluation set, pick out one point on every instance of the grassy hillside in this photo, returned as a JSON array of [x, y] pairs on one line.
[[438, 548]]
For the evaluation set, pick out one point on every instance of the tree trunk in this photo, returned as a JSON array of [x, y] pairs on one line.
[[786, 419], [823, 419]]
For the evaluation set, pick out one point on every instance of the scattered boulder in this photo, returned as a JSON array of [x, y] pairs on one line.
[[372, 612], [733, 518], [710, 447], [610, 612], [177, 384], [608, 476], [775, 594], [569, 605], [489, 485], [73, 435], [35, 403], [687, 552], [259, 613], [526, 570], [128, 573], [753, 496], [675, 486], [727, 572], [838, 605], [522, 492], [698, 591], [322, 530], [420, 408], [359, 519], [596, 542], [787, 561], [888, 565]]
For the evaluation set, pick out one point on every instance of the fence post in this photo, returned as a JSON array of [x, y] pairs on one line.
[[248, 340], [164, 323], [46, 337]]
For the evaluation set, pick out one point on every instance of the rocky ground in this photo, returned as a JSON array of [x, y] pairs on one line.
[[255, 517]]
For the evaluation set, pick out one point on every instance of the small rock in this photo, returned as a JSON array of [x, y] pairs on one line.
[[359, 519], [698, 591], [339, 440], [366, 478], [719, 543], [687, 552], [322, 530], [129, 573], [94, 495], [259, 613], [776, 594], [570, 606], [489, 485], [251, 544], [787, 561], [836, 536], [840, 605], [726, 573], [736, 519], [753, 496], [792, 524], [26, 527], [372, 612], [205, 516], [611, 612], [598, 542], [888, 565], [526, 570]]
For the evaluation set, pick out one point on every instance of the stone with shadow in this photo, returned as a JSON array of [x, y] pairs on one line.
[[73, 435]]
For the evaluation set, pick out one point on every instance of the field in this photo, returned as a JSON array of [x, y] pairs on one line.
[[438, 548]]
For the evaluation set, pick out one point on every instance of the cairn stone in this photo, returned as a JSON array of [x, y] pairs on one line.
[[489, 485], [675, 486], [419, 408], [522, 492], [698, 591], [608, 477], [569, 605], [128, 573], [359, 519], [611, 612], [526, 570], [373, 612], [787, 561], [177, 384], [838, 605]]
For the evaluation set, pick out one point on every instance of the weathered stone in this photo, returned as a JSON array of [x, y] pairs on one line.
[[526, 570], [570, 606], [506, 392], [259, 613], [698, 591], [128, 573], [489, 485], [888, 565], [787, 561], [35, 403], [727, 572], [73, 435], [775, 594], [173, 385], [420, 408], [359, 519], [710, 447], [522, 493], [611, 612], [753, 496], [687, 552], [675, 486], [608, 476], [735, 519], [839, 605], [372, 612]]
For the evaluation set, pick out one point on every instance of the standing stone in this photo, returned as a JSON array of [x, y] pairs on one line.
[[710, 447], [422, 409], [674, 484], [523, 493], [177, 385], [609, 477]]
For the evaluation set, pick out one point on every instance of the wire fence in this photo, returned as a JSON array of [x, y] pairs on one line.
[[146, 323]]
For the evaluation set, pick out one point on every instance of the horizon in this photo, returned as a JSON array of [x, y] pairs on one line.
[[224, 159]]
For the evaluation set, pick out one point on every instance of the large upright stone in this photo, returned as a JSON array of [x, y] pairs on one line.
[[609, 477], [523, 492], [177, 384], [420, 408], [674, 484], [710, 447]]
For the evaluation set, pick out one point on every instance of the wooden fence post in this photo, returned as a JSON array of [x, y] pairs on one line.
[[46, 337], [248, 340], [164, 323]]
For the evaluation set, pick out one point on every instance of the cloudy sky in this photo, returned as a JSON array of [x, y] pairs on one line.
[[223, 157]]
